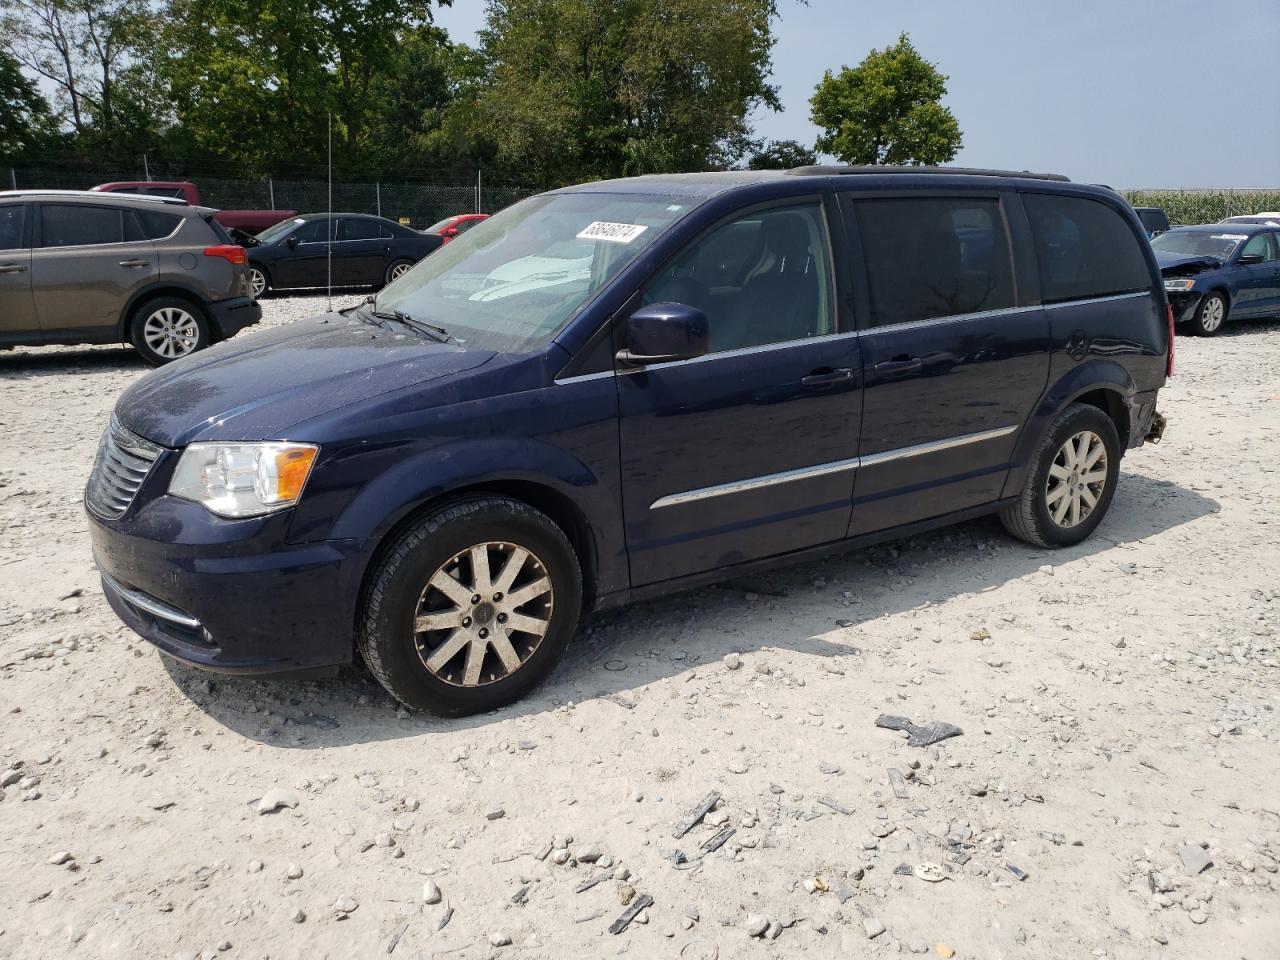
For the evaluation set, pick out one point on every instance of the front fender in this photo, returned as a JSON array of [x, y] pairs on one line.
[[1095, 374], [430, 474]]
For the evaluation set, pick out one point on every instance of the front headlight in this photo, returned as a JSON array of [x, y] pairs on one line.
[[243, 479], [1179, 285]]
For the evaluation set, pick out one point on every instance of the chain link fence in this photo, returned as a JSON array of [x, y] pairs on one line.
[[417, 204], [424, 202], [1193, 206]]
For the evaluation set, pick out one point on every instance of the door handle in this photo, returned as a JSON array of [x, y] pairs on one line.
[[899, 366], [12, 268], [134, 263], [825, 378]]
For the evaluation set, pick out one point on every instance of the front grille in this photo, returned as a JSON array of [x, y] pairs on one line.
[[123, 462]]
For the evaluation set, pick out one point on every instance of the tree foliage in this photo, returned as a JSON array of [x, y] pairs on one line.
[[581, 89], [25, 119], [886, 110], [781, 155], [556, 90]]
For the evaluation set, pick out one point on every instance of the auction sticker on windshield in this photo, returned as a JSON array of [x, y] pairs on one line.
[[612, 232]]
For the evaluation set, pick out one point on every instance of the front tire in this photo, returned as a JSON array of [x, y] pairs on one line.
[[1070, 481], [471, 607], [1210, 315], [168, 328]]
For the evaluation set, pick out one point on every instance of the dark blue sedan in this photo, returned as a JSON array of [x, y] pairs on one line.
[[1220, 271]]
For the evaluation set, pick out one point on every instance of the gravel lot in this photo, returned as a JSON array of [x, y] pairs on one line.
[[1119, 703]]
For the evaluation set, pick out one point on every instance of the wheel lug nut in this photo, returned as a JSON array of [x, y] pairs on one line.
[[466, 621], [476, 598], [502, 618], [483, 634], [497, 597]]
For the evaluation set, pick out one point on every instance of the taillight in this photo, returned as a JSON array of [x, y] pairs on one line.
[[1168, 364], [229, 252]]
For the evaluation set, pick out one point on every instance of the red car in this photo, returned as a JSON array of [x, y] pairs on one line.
[[450, 227], [250, 221]]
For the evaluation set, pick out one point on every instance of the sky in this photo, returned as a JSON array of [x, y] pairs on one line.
[[1131, 93]]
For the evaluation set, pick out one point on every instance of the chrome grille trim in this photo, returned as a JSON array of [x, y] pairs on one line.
[[124, 459]]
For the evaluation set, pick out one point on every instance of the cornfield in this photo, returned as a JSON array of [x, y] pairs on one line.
[[1204, 206]]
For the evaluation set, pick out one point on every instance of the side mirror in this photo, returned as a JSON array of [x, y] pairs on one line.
[[1248, 259], [451, 232], [662, 332]]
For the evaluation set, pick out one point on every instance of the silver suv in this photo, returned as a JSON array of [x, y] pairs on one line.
[[101, 268]]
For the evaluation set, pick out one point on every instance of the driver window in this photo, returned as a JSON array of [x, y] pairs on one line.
[[762, 278], [1259, 246], [313, 231]]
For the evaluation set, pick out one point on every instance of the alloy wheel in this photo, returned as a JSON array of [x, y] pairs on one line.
[[171, 332], [1077, 478], [1212, 316], [399, 270], [258, 281], [482, 614]]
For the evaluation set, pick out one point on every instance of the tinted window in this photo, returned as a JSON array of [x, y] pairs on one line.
[[359, 230], [763, 278], [1084, 248], [465, 225], [162, 192], [313, 231], [11, 220], [931, 258], [74, 225], [152, 225]]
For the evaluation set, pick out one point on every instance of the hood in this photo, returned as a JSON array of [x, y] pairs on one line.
[[255, 387], [1181, 262]]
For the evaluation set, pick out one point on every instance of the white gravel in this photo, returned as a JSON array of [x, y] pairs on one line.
[[1115, 712]]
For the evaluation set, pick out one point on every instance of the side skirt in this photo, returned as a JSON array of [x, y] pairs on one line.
[[663, 588]]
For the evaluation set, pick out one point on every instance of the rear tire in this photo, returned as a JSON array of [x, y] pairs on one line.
[[494, 631], [396, 270], [259, 282], [1070, 481], [168, 328], [1210, 315]]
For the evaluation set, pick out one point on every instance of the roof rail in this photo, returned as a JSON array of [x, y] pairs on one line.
[[838, 170], [93, 195]]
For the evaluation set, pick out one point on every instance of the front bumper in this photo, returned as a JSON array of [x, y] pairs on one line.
[[230, 596], [232, 316], [1184, 305]]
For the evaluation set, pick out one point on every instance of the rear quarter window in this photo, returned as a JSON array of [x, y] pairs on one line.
[[151, 225], [1084, 249]]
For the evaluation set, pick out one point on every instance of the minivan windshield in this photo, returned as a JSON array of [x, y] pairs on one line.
[[513, 281], [1198, 243]]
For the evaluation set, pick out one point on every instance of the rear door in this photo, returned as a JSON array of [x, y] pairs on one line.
[[85, 267], [749, 451], [17, 308], [953, 358], [360, 252]]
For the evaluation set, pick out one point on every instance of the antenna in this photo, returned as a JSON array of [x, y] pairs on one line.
[[331, 222]]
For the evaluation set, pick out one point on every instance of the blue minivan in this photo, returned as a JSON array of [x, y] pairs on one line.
[[621, 389]]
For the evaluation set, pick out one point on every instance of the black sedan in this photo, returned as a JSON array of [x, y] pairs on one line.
[[366, 251]]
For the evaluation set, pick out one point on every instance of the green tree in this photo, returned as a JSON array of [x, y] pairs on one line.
[[81, 47], [582, 89], [886, 110], [25, 119], [781, 155], [256, 80]]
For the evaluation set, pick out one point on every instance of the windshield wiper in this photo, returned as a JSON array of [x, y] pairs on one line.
[[439, 334]]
